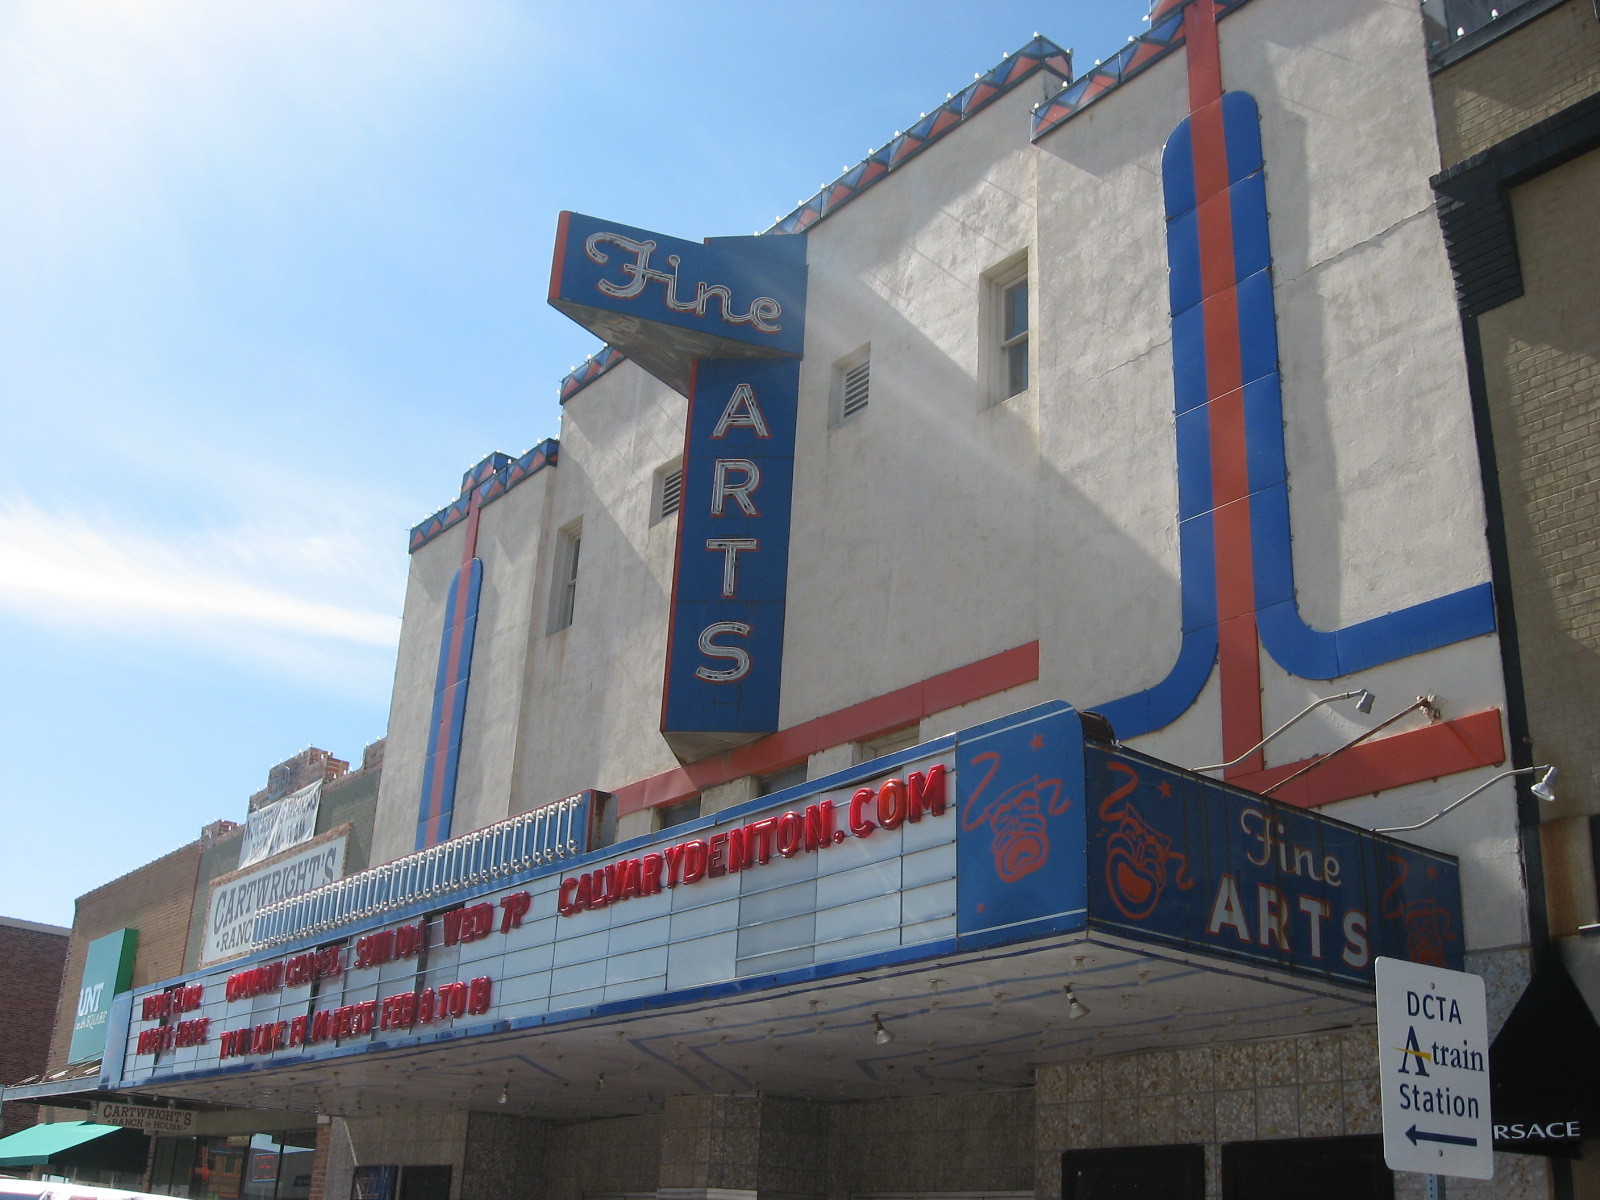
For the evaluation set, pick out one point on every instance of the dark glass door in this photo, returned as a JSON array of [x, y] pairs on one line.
[[425, 1183], [1135, 1173], [1348, 1168]]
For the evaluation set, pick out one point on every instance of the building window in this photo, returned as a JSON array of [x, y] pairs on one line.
[[852, 380], [778, 780], [564, 594], [667, 492], [888, 743], [1008, 331], [668, 815]]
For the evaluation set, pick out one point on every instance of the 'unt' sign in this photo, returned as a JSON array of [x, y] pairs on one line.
[[723, 323]]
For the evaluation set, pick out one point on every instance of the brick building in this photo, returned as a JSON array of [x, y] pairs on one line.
[[1517, 104], [1517, 100], [35, 959], [172, 907]]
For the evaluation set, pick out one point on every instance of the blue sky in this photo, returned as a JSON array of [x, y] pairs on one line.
[[273, 276]]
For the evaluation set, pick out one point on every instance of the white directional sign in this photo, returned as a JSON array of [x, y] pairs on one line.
[[1433, 1063]]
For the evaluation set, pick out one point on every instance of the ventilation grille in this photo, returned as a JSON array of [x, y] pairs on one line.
[[856, 379], [671, 493]]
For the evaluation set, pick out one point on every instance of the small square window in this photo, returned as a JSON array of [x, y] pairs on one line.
[[1007, 322], [680, 813], [888, 743], [564, 586], [666, 492], [778, 780], [852, 384], [1014, 337]]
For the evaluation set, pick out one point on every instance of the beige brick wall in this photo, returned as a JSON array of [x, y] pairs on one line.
[[1319, 1086], [1530, 74], [1542, 370], [157, 900]]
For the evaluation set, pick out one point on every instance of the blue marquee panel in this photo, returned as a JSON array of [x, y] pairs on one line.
[[1038, 833], [1175, 857], [1020, 844]]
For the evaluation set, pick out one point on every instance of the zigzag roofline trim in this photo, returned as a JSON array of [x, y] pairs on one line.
[[489, 480], [1039, 54], [1141, 53]]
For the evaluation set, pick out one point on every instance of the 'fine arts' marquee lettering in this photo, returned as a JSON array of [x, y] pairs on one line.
[[762, 313], [723, 322]]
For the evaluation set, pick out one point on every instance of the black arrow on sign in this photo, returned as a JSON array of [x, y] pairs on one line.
[[1416, 1135]]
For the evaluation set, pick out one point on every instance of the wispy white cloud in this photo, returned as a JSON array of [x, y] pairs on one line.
[[250, 593]]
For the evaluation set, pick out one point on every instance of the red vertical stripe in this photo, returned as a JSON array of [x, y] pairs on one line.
[[1205, 59], [1238, 653]]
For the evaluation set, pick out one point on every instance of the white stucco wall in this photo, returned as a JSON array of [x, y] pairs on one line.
[[594, 689], [935, 529], [513, 531]]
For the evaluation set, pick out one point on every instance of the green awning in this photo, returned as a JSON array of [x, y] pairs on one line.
[[37, 1146]]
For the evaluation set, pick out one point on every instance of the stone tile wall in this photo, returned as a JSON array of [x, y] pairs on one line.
[[1324, 1085], [403, 1139], [711, 1142], [505, 1158], [620, 1155], [980, 1143]]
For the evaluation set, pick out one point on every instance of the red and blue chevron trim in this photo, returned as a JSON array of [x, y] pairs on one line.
[[596, 365], [1164, 36], [488, 481], [1235, 538], [1039, 54]]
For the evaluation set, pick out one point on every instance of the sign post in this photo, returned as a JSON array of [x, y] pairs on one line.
[[1433, 1066]]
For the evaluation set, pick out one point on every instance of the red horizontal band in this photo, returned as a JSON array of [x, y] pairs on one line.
[[860, 722], [1444, 748]]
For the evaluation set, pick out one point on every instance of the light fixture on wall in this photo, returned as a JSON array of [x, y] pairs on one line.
[[1361, 696], [879, 1034], [1428, 705], [1541, 789], [1075, 1008]]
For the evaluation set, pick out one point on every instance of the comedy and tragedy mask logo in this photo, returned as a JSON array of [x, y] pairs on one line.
[[1426, 922], [1021, 841], [1137, 854]]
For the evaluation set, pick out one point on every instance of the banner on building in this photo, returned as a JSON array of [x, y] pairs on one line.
[[231, 915], [281, 825]]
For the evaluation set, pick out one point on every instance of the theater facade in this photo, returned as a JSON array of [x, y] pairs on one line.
[[962, 705]]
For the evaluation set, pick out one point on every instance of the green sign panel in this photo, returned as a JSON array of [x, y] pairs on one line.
[[107, 970]]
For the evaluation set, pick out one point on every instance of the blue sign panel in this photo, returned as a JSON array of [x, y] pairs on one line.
[[1181, 858], [1020, 838], [725, 653], [723, 322], [747, 291]]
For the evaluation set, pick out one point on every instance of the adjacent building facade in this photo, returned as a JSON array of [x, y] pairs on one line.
[[35, 956], [977, 681]]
